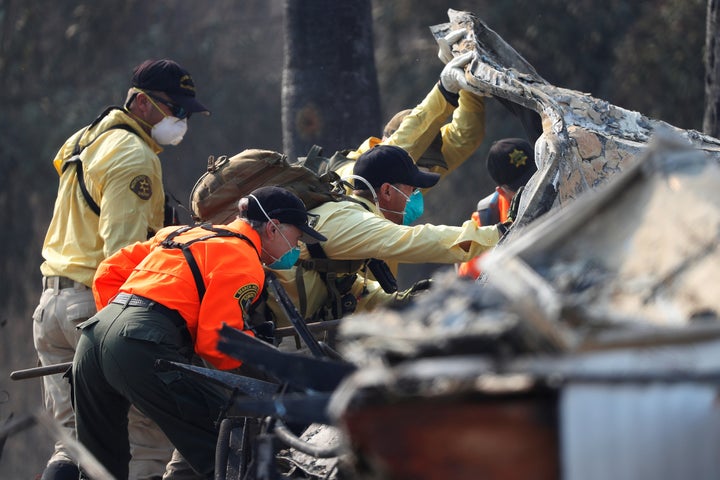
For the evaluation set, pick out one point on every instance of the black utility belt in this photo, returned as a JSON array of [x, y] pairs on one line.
[[131, 300]]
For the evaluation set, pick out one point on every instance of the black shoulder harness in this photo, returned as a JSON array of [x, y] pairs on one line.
[[215, 232], [77, 150]]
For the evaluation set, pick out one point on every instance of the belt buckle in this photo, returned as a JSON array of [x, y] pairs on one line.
[[58, 282], [51, 282], [139, 301], [125, 301]]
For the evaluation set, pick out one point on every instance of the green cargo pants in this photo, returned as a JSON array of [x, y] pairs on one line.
[[114, 368]]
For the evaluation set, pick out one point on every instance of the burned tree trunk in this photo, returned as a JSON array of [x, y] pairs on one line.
[[711, 121], [330, 91]]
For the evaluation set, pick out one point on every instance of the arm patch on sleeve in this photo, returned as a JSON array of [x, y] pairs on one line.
[[141, 186], [246, 294]]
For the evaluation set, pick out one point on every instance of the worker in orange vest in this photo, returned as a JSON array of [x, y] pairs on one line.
[[511, 163], [166, 298]]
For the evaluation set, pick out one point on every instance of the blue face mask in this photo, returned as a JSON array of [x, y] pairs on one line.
[[414, 207], [287, 261]]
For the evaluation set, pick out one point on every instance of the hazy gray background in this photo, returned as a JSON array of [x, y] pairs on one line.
[[62, 62]]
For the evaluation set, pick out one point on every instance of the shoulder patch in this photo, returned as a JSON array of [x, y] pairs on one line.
[[246, 294], [141, 186]]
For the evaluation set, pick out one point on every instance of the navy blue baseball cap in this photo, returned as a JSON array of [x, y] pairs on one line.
[[284, 206], [170, 78], [511, 162], [391, 164]]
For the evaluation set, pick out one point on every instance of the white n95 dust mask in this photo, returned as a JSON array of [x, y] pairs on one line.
[[169, 130]]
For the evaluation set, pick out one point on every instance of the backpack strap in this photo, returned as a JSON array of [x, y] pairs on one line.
[[339, 159], [331, 272], [324, 265], [77, 150], [314, 161], [383, 275], [75, 159], [338, 277], [170, 242]]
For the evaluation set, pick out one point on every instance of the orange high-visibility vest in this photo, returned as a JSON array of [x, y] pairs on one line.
[[231, 271], [497, 209]]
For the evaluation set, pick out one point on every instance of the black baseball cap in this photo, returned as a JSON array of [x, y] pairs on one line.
[[286, 207], [511, 162], [390, 164], [170, 78]]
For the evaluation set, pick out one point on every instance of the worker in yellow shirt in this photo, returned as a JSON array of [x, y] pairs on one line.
[[370, 225], [110, 195]]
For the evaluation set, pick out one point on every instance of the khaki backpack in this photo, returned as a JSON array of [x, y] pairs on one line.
[[215, 196]]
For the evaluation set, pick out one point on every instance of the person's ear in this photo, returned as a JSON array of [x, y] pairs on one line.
[[141, 101], [384, 190], [272, 227], [143, 105]]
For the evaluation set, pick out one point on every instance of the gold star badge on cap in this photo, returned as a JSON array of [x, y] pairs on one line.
[[518, 158]]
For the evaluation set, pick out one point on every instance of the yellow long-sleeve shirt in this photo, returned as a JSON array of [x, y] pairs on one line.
[[358, 232], [123, 175], [460, 137]]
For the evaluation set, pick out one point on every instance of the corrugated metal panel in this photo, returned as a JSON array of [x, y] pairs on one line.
[[647, 431]]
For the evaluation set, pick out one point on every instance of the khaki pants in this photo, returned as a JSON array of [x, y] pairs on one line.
[[60, 310], [180, 469]]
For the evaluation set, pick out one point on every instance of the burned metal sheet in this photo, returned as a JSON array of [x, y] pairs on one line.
[[644, 249], [605, 293], [585, 141], [634, 262]]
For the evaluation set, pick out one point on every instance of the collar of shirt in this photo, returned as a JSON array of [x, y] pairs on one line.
[[369, 203]]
